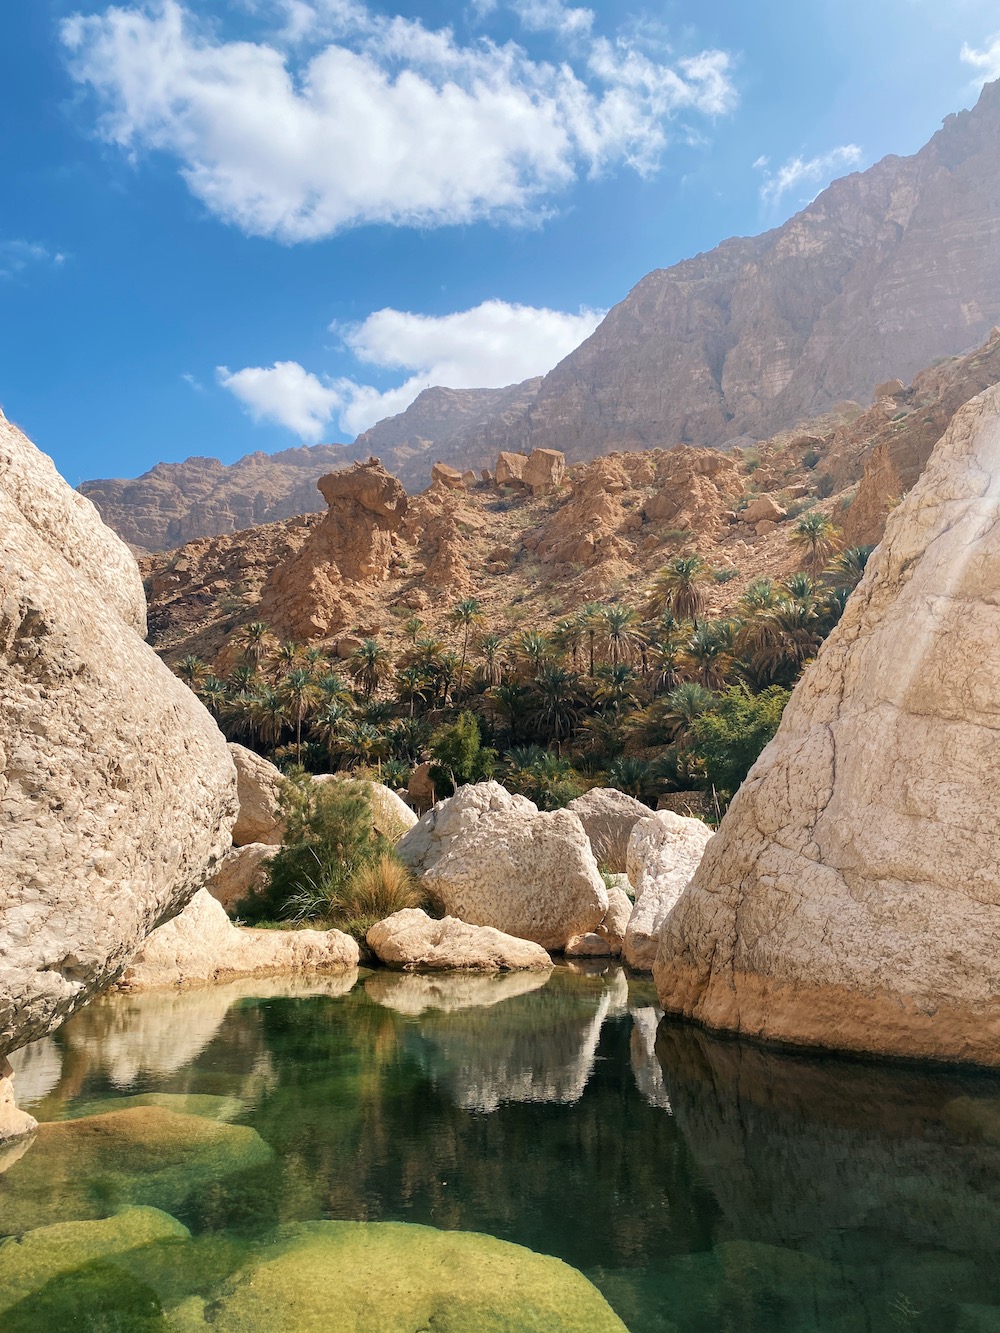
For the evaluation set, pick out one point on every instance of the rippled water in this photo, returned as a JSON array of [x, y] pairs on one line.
[[701, 1185]]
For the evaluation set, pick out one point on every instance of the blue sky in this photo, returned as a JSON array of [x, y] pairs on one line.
[[231, 225]]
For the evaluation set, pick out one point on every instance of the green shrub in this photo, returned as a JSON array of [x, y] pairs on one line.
[[728, 737], [460, 756]]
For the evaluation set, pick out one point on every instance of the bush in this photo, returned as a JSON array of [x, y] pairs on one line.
[[729, 736], [460, 756], [329, 839], [375, 891], [810, 458]]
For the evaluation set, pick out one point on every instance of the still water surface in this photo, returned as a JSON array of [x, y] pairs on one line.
[[702, 1185]]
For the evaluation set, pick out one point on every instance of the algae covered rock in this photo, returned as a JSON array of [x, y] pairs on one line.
[[345, 1277], [92, 1167]]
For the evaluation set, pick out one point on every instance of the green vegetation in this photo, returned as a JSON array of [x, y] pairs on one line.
[[609, 695]]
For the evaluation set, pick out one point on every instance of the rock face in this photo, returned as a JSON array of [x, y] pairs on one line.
[[117, 792], [493, 859], [202, 946], [411, 939], [608, 817], [850, 899], [315, 591], [258, 784], [664, 851], [174, 503]]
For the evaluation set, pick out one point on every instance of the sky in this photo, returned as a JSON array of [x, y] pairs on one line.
[[232, 225]]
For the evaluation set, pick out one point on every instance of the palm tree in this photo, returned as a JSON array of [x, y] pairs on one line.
[[413, 685], [214, 694], [331, 723], [666, 658], [257, 639], [412, 626], [817, 536], [287, 655], [708, 656], [244, 678], [567, 635], [615, 687], [759, 595], [300, 694], [466, 613], [532, 651], [492, 668], [678, 709], [589, 618], [677, 588], [847, 567], [365, 742], [780, 641], [556, 703], [370, 665], [191, 670], [269, 713], [620, 631]]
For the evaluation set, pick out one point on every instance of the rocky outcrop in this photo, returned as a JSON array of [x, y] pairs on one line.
[[664, 851], [174, 503], [608, 817], [258, 786], [116, 789], [202, 946], [544, 470], [850, 897], [411, 939], [316, 590], [493, 859]]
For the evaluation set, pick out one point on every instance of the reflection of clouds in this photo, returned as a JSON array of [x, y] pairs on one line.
[[537, 1047], [37, 1067], [645, 1067], [159, 1032], [413, 993]]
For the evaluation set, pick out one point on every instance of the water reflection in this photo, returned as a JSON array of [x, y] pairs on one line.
[[413, 992]]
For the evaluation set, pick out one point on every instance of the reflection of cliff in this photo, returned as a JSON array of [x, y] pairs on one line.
[[890, 1176], [532, 1048]]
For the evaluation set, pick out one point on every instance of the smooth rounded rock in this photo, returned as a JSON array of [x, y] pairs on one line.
[[411, 939]]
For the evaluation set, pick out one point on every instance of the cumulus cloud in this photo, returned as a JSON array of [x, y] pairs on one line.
[[17, 255], [491, 345], [808, 175], [986, 62], [343, 117]]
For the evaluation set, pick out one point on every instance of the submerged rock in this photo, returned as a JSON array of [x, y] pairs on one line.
[[664, 851], [203, 946], [397, 1277], [117, 791], [851, 896], [412, 939], [493, 859]]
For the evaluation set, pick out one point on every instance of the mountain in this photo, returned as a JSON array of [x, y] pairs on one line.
[[883, 273]]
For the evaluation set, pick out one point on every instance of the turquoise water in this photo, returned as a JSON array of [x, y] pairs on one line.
[[701, 1185]]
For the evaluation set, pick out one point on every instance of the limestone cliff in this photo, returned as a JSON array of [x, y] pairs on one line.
[[850, 898]]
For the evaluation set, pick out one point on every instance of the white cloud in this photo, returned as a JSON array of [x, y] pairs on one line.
[[806, 174], [285, 393], [345, 117], [554, 16], [986, 62], [17, 255], [489, 346]]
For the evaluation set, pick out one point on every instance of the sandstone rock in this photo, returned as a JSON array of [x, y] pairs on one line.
[[447, 476], [116, 789], [850, 898], [544, 470], [241, 873], [763, 509], [616, 918], [765, 527], [347, 645], [258, 787], [591, 944], [889, 389], [510, 468], [412, 939], [421, 789], [608, 817], [663, 853], [492, 859], [202, 946]]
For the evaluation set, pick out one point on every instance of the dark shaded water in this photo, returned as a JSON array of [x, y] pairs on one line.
[[702, 1186]]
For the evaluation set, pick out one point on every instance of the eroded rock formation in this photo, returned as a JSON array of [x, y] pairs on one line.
[[663, 852], [850, 897], [117, 792]]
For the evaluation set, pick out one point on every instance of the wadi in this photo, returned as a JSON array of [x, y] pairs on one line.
[[531, 866]]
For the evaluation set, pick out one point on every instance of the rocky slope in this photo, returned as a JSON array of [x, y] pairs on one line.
[[117, 791], [849, 899], [531, 556]]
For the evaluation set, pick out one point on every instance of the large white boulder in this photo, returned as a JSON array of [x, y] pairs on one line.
[[852, 895], [202, 946], [494, 859], [259, 786], [664, 851], [411, 939], [117, 792], [608, 817]]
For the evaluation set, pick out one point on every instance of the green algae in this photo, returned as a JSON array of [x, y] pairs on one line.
[[184, 1103], [394, 1277]]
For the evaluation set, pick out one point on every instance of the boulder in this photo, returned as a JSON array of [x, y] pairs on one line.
[[544, 470], [492, 859], [411, 939], [591, 944], [117, 792], [617, 917], [14, 1124], [889, 389], [397, 1276], [850, 898], [241, 873], [202, 946], [510, 468], [664, 851], [763, 510], [258, 784], [447, 476], [608, 817], [421, 789]]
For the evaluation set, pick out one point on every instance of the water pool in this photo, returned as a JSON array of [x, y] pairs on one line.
[[699, 1184]]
